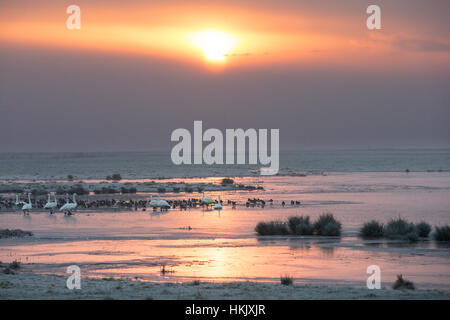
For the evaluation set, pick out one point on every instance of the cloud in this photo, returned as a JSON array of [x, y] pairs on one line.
[[417, 44], [406, 42], [245, 54]]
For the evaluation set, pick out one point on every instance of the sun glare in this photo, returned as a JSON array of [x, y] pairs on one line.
[[214, 44]]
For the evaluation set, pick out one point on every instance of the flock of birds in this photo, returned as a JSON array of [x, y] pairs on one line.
[[68, 206], [163, 205]]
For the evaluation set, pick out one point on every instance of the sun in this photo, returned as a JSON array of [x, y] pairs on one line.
[[214, 44]]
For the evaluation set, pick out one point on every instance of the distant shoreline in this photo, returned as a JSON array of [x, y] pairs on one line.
[[157, 165]]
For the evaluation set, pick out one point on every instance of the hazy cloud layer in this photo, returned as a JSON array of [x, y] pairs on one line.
[[56, 99]]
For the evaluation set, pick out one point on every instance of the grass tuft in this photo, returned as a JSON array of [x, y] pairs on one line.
[[15, 265], [442, 233], [286, 281], [403, 284], [129, 190], [115, 177], [327, 225], [423, 229], [372, 229], [400, 229], [106, 190], [272, 228], [7, 233], [8, 271], [300, 225], [226, 181]]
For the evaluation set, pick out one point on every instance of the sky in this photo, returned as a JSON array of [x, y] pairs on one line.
[[137, 70]]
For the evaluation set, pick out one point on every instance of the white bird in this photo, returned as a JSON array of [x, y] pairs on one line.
[[163, 204], [64, 206], [18, 202], [69, 206], [51, 204], [27, 206], [207, 200], [218, 205], [153, 203]]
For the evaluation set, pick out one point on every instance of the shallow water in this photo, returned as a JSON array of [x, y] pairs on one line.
[[222, 246]]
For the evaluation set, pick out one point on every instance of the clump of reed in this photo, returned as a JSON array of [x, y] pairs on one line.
[[77, 188], [395, 229], [423, 229], [129, 190], [272, 228], [15, 265], [442, 233], [7, 233], [8, 271], [403, 284], [300, 225], [326, 225], [114, 177], [400, 229], [106, 190], [286, 281], [372, 229], [226, 181]]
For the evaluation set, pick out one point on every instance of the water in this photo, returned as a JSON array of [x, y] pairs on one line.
[[222, 246], [139, 165]]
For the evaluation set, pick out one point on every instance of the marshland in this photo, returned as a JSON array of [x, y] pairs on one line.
[[333, 226], [314, 228]]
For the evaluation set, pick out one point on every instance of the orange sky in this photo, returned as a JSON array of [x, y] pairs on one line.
[[136, 71], [263, 35]]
